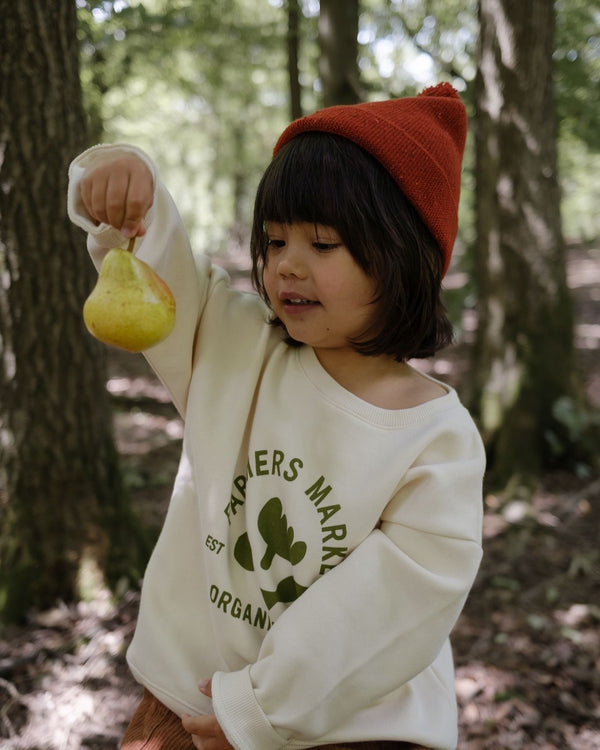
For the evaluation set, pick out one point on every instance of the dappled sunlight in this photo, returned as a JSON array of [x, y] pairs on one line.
[[542, 267], [487, 696], [587, 336], [582, 272], [527, 645], [528, 665], [138, 387], [496, 713], [140, 432], [84, 695]]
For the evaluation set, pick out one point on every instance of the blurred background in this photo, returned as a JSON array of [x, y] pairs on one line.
[[89, 441]]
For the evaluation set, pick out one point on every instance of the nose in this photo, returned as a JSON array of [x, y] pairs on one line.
[[291, 262]]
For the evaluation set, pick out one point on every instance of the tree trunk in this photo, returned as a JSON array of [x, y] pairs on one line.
[[293, 40], [65, 524], [524, 356], [338, 62]]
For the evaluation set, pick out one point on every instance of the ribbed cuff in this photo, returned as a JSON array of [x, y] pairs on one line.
[[239, 714]]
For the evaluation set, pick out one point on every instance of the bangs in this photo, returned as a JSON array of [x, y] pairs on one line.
[[318, 178], [304, 183]]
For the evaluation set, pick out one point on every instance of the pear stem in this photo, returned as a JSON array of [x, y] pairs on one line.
[[131, 245]]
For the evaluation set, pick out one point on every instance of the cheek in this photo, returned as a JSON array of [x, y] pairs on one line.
[[269, 282], [358, 294], [349, 284]]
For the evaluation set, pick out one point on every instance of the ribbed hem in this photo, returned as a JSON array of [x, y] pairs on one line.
[[240, 716]]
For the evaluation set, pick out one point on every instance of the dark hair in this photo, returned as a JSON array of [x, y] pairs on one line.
[[326, 179]]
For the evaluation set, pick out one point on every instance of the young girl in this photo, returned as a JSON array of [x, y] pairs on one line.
[[325, 523]]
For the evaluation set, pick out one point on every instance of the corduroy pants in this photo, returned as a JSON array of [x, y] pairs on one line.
[[155, 727]]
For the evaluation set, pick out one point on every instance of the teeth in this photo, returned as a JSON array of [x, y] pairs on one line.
[[299, 302]]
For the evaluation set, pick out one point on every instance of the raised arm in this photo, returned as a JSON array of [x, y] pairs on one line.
[[114, 194]]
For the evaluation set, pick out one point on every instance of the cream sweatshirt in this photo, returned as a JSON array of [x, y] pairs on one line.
[[317, 550]]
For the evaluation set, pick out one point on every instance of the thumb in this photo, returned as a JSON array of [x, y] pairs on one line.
[[133, 229], [205, 687]]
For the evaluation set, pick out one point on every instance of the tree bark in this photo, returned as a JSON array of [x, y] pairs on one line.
[[293, 41], [338, 61], [524, 355], [65, 523]]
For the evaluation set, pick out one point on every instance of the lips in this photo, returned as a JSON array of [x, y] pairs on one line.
[[294, 298], [293, 302]]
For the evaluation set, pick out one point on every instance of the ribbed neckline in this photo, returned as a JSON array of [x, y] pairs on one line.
[[343, 399]]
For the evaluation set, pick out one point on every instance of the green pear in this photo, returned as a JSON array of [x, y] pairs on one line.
[[131, 306]]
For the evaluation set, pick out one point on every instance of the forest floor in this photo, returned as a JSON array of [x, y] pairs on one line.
[[527, 645]]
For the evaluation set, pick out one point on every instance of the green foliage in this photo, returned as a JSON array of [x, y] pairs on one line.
[[579, 168], [577, 61], [203, 87], [200, 86], [409, 45], [577, 79]]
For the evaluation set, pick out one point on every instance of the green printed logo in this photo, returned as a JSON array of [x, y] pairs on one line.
[[279, 540], [287, 591], [278, 537]]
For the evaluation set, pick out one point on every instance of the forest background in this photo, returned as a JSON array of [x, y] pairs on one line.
[[88, 440]]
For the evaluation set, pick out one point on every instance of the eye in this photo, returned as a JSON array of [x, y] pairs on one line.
[[275, 243], [324, 247], [326, 238]]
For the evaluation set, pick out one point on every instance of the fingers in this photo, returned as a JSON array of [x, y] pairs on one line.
[[206, 732], [201, 725], [119, 193], [107, 193], [205, 687], [140, 193], [210, 744]]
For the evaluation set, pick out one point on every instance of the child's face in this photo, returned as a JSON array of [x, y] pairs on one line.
[[315, 286]]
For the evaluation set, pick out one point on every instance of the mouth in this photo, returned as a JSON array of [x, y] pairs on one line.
[[295, 303], [298, 302]]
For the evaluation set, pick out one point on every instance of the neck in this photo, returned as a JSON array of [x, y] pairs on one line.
[[354, 371], [380, 380]]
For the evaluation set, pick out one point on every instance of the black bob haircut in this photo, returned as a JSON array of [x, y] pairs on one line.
[[321, 178]]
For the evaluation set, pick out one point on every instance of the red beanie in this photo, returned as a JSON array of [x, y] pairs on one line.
[[419, 140]]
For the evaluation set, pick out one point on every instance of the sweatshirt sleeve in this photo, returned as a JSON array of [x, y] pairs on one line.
[[372, 623], [166, 248]]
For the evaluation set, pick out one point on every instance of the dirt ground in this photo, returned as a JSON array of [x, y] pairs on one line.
[[527, 645]]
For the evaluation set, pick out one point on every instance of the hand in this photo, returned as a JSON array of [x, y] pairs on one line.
[[205, 730], [119, 193]]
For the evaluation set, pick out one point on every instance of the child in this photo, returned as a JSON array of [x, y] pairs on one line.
[[325, 523]]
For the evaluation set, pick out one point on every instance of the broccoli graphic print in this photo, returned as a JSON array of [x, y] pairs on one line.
[[279, 540]]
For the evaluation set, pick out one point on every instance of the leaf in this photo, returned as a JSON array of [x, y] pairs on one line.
[[273, 526], [243, 552], [287, 591]]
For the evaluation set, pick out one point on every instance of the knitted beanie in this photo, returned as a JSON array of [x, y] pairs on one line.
[[419, 140]]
